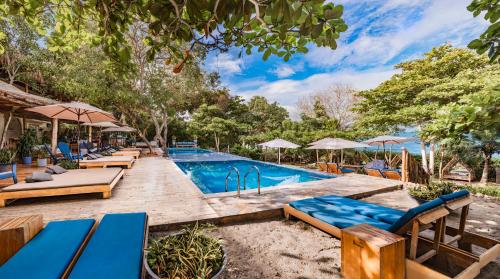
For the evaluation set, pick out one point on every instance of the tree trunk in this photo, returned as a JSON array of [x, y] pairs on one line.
[[216, 142], [431, 157], [486, 167], [441, 147], [5, 129], [158, 129], [142, 135], [165, 131], [424, 156]]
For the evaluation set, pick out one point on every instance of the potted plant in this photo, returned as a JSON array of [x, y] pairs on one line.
[[191, 253], [25, 146], [425, 193], [6, 159], [41, 156]]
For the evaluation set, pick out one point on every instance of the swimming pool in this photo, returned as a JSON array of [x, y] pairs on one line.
[[210, 176]]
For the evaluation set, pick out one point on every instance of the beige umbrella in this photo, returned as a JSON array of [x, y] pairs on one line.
[[337, 143], [383, 140], [279, 143], [75, 111], [327, 139], [123, 129], [105, 124]]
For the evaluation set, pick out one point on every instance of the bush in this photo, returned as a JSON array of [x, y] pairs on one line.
[[253, 153], [68, 164], [190, 254], [432, 190], [6, 156], [492, 191], [40, 153]]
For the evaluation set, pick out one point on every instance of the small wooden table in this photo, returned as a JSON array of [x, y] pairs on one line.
[[369, 252], [16, 232]]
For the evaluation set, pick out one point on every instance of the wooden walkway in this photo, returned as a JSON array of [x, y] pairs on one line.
[[155, 185]]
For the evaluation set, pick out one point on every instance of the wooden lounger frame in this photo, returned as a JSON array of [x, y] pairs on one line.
[[79, 252], [435, 220], [391, 174], [134, 154], [374, 172], [103, 164], [105, 189]]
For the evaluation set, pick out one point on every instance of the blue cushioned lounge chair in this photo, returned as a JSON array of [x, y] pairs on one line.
[[12, 173], [116, 248], [66, 151], [51, 253]]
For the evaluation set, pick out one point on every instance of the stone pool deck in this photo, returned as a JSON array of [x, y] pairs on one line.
[[155, 185]]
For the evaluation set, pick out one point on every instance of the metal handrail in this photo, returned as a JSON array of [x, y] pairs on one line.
[[227, 177], [258, 178]]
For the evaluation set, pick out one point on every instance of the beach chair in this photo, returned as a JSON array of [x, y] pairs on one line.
[[51, 253], [54, 158], [108, 161], [392, 174], [374, 172], [334, 168], [322, 166], [115, 250], [12, 173], [66, 151], [376, 164], [81, 181], [333, 213]]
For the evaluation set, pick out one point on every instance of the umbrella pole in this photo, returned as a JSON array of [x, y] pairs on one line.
[[383, 144], [78, 141], [341, 156], [317, 155], [279, 155]]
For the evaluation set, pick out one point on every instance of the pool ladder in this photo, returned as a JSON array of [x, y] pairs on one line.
[[244, 178]]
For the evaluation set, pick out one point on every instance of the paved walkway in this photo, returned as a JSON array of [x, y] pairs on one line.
[[157, 186]]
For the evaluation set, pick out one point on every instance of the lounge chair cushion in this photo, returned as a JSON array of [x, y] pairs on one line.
[[55, 169], [50, 252], [377, 212], [412, 213], [312, 205], [38, 177], [115, 250], [344, 170], [455, 195], [98, 155], [91, 156]]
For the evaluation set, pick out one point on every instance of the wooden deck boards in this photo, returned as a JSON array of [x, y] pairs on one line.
[[157, 186]]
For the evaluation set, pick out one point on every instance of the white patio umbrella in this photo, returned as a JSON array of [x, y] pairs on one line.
[[336, 144], [100, 125], [279, 143], [75, 111], [386, 139], [327, 139], [123, 129]]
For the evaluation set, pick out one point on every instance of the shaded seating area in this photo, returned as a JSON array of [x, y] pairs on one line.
[[108, 161], [332, 214], [112, 248], [69, 183], [66, 151], [334, 168]]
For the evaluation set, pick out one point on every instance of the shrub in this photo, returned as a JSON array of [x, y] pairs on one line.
[[26, 143], [40, 153], [68, 164], [253, 153], [492, 191], [432, 190], [6, 156], [190, 254]]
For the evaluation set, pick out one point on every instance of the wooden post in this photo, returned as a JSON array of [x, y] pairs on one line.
[[404, 165], [55, 128], [90, 134], [24, 126]]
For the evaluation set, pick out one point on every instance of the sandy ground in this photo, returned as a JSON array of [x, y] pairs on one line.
[[293, 249]]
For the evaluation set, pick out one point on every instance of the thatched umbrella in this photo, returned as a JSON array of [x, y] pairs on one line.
[[279, 143], [75, 111]]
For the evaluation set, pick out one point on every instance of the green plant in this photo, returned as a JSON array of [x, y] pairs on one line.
[[68, 164], [6, 156], [26, 143], [40, 153], [432, 190], [492, 191], [190, 254]]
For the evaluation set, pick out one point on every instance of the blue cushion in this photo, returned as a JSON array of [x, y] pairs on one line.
[[115, 250], [342, 219], [456, 195], [50, 252], [310, 206], [344, 170], [378, 212], [412, 213]]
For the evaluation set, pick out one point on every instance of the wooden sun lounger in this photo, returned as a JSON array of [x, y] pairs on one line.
[[132, 153], [392, 174], [422, 249], [108, 161], [131, 149], [80, 181]]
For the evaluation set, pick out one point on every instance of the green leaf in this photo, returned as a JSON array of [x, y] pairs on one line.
[[266, 54]]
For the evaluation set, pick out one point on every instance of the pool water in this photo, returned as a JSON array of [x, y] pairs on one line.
[[210, 176]]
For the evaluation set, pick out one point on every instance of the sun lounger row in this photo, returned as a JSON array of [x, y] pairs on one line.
[[333, 213], [71, 182], [333, 168], [83, 249], [384, 173]]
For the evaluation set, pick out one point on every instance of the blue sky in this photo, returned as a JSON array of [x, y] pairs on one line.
[[380, 35]]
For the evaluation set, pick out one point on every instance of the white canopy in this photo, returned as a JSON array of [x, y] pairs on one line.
[[327, 139], [383, 140], [124, 129], [105, 124], [337, 143], [279, 143]]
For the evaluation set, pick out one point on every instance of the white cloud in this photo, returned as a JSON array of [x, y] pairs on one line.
[[288, 91], [225, 63], [283, 71], [403, 24]]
